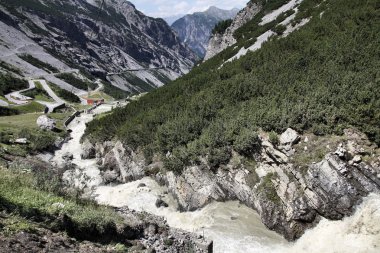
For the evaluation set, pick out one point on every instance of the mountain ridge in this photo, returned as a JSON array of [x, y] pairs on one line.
[[195, 29], [113, 39]]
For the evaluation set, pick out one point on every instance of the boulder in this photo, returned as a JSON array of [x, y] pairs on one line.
[[88, 150], [289, 137], [21, 141], [46, 123], [68, 156], [161, 203]]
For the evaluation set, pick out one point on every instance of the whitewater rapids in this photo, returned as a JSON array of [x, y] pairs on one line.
[[233, 227]]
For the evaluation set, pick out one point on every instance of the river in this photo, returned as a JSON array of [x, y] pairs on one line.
[[233, 227]]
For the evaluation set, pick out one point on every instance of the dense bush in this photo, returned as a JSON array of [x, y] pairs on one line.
[[321, 78], [9, 83], [76, 82], [115, 92], [222, 26], [64, 94], [38, 63]]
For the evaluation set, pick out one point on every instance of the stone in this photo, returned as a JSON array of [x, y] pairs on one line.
[[46, 123], [88, 150], [161, 203], [357, 159], [141, 185], [22, 141], [289, 137], [67, 156], [341, 151]]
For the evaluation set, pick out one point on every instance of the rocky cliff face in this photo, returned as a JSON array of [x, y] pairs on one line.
[[219, 42], [292, 183], [195, 29], [79, 34]]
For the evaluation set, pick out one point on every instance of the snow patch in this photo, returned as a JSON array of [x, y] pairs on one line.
[[274, 14], [260, 40]]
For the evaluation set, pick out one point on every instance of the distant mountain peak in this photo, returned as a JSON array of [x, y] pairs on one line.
[[195, 29]]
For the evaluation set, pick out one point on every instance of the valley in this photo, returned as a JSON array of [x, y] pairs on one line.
[[250, 130]]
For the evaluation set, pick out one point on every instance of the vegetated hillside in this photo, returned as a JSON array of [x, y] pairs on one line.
[[321, 78], [41, 37], [195, 29]]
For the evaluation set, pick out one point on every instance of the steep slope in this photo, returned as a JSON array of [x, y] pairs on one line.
[[195, 29], [213, 134], [220, 41], [76, 34]]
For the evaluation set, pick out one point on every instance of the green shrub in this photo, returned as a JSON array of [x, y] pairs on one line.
[[64, 94], [222, 26], [76, 82], [273, 138], [38, 63], [247, 142]]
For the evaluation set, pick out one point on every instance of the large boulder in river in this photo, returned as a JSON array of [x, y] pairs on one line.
[[46, 123], [88, 150]]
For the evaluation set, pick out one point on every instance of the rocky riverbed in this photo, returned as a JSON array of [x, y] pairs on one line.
[[295, 184]]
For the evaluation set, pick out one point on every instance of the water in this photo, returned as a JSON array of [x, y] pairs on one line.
[[233, 227]]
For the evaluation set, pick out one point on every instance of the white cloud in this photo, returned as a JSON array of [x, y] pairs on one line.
[[167, 8]]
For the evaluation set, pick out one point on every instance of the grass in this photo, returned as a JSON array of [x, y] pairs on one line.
[[20, 121], [317, 148], [39, 93], [30, 108], [20, 193], [100, 95], [15, 224], [64, 94]]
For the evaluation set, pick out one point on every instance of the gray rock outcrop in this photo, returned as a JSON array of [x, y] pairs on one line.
[[120, 164], [88, 150], [46, 123], [290, 193], [219, 42]]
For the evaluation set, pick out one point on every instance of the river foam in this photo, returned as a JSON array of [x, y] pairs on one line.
[[233, 227], [236, 228]]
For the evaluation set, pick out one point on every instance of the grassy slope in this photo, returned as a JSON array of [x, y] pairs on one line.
[[322, 78]]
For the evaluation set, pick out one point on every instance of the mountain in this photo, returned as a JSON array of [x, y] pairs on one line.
[[78, 34], [221, 40], [170, 20], [195, 29], [285, 120]]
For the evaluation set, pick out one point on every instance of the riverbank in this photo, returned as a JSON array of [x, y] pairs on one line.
[[232, 226]]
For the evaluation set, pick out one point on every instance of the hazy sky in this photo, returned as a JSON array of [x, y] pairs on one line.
[[167, 8]]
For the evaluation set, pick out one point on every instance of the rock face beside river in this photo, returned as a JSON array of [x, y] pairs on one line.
[[292, 183]]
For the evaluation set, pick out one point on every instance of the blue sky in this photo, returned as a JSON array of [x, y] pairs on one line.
[[167, 8]]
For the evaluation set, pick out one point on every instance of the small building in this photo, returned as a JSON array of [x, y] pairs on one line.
[[95, 101]]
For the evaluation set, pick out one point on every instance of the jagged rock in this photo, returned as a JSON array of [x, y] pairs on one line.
[[357, 159], [195, 29], [98, 46], [46, 123], [289, 137], [121, 164], [341, 151], [68, 156], [219, 42], [288, 198], [161, 203], [88, 150]]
